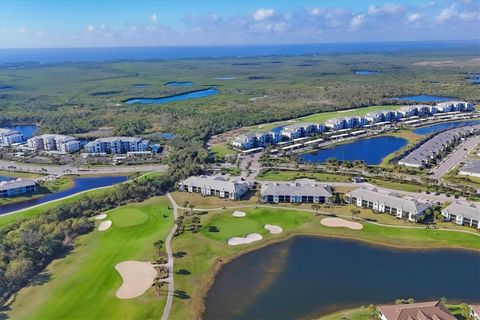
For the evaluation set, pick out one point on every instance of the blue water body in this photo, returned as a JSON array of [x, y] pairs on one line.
[[60, 55], [80, 184], [225, 78], [167, 135], [475, 79], [307, 277], [423, 98], [178, 83], [444, 126], [4, 87], [370, 150], [28, 130], [365, 72], [141, 85], [179, 97]]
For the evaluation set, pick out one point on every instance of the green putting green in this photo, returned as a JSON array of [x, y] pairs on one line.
[[127, 217]]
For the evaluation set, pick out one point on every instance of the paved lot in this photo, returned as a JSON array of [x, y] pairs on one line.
[[455, 157]]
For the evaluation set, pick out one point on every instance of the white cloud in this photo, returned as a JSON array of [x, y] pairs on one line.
[[316, 12], [357, 21], [153, 18], [414, 18], [90, 28], [23, 30], [263, 14], [386, 9]]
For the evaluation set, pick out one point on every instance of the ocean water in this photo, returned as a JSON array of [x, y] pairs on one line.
[[60, 55]]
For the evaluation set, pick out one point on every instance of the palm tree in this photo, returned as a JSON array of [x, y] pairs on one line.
[[315, 207], [158, 284], [159, 245]]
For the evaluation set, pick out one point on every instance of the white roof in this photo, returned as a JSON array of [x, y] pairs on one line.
[[300, 187], [217, 183], [467, 210]]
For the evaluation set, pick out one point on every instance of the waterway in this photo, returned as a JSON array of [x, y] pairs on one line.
[[423, 98], [365, 72], [28, 130], [179, 97], [370, 150], [306, 277], [80, 184], [434, 128]]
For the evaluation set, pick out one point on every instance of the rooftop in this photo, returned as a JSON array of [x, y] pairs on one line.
[[17, 183], [213, 182], [464, 209], [300, 187], [472, 166], [433, 310]]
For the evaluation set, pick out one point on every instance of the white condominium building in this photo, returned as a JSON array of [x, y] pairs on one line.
[[8, 137], [298, 191], [214, 186], [54, 142], [117, 145]]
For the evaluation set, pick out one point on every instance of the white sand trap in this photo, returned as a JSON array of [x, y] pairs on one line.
[[100, 216], [137, 277], [105, 225], [249, 238], [238, 214], [273, 228], [339, 222]]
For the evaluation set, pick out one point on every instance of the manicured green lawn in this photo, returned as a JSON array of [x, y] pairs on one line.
[[222, 150], [285, 175], [16, 174], [83, 284]]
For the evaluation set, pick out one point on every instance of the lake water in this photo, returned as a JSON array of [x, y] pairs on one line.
[[475, 79], [370, 150], [423, 98], [306, 277], [444, 126], [80, 184], [28, 130], [179, 97], [167, 135], [225, 78], [365, 72], [4, 87], [178, 83]]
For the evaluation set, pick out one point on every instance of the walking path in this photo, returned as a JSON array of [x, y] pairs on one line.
[[168, 248]]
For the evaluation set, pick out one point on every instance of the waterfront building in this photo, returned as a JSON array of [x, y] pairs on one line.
[[54, 142], [117, 145], [214, 186], [298, 191], [434, 148], [401, 207], [470, 168], [374, 117], [433, 310], [245, 141], [450, 106], [299, 130], [9, 137], [336, 124], [15, 187], [464, 214], [475, 311]]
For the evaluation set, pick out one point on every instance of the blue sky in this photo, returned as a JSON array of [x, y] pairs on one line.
[[100, 23]]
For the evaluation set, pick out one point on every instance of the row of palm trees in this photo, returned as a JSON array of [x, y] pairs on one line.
[[160, 267]]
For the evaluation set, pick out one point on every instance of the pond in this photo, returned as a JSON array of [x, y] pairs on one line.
[[306, 277], [423, 98], [167, 135], [179, 97], [444, 126], [225, 78], [474, 79], [370, 150], [365, 72], [80, 184], [4, 87], [28, 130], [178, 83]]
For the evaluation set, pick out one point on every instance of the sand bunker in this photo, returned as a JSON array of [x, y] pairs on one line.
[[104, 225], [137, 277], [339, 222], [100, 216], [239, 214], [273, 228], [249, 238]]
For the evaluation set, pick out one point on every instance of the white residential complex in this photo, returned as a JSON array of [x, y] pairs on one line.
[[435, 148], [298, 191], [470, 168], [214, 186], [9, 137], [299, 130], [117, 145], [466, 214], [401, 207], [54, 142]]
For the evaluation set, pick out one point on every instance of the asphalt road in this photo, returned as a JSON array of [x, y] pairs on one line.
[[455, 157]]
